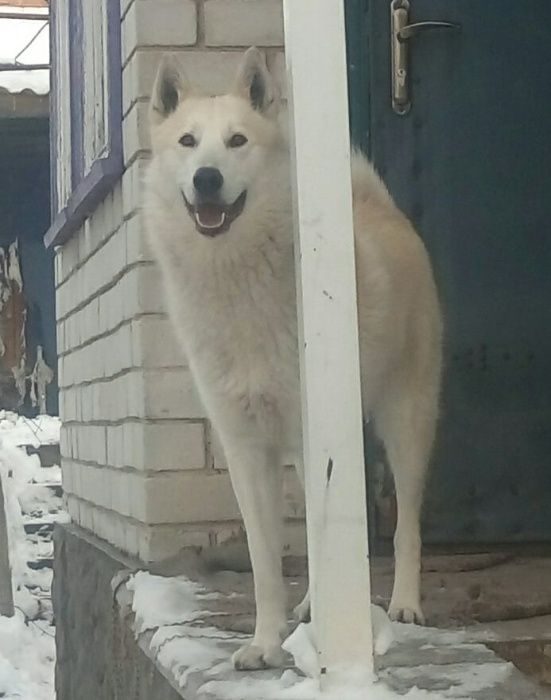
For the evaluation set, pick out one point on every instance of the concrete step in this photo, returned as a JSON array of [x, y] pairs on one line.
[[48, 454], [33, 527], [53, 486], [42, 563]]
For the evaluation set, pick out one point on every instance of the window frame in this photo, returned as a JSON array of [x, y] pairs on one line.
[[87, 187]]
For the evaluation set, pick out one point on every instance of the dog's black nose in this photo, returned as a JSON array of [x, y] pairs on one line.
[[208, 181]]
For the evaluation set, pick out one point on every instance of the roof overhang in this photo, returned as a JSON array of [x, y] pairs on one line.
[[22, 104]]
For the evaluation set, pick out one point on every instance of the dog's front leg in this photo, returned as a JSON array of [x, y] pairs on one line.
[[257, 480]]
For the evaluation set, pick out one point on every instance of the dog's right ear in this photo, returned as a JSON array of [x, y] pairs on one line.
[[170, 88]]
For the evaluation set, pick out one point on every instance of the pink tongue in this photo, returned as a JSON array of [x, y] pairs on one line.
[[210, 214]]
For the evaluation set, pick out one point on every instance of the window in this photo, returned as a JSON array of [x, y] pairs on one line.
[[86, 110]]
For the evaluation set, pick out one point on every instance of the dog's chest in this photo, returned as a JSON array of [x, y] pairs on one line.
[[242, 334]]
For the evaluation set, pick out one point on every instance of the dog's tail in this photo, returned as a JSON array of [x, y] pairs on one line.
[[366, 183]]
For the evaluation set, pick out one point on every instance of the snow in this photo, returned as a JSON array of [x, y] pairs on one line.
[[17, 430], [14, 35], [171, 608], [301, 643], [162, 601], [27, 646], [27, 654]]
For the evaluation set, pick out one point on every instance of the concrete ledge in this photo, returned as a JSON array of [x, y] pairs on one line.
[[443, 663], [104, 653], [97, 656]]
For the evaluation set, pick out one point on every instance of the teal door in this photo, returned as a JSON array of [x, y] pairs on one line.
[[470, 164]]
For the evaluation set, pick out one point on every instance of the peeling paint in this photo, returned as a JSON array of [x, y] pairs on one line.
[[13, 316]]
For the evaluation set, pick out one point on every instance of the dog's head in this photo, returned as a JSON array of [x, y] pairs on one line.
[[213, 148]]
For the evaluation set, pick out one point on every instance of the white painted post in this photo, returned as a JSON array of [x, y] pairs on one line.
[[330, 376]]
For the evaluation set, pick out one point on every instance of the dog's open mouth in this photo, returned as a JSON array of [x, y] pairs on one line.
[[213, 218]]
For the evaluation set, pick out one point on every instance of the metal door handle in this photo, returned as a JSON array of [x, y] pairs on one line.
[[400, 34], [412, 30]]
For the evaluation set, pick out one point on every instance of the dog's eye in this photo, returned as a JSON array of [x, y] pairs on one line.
[[237, 140], [188, 141]]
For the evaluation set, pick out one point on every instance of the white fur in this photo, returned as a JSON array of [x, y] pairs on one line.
[[232, 301]]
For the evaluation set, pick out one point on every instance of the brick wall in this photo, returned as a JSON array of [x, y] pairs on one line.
[[141, 466]]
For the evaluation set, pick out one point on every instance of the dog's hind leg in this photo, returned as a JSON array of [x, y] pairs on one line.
[[257, 480], [302, 610], [405, 422]]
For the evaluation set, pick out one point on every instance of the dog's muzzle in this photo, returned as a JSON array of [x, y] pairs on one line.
[[212, 218]]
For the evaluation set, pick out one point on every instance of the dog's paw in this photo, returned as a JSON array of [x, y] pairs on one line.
[[253, 657], [301, 612], [410, 613]]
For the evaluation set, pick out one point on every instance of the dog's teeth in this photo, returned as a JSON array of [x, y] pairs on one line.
[[217, 224]]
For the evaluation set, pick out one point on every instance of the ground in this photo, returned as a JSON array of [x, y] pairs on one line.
[[33, 503]]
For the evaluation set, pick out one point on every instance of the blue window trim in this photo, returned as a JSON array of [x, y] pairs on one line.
[[90, 188]]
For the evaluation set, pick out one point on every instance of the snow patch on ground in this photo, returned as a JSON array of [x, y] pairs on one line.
[[292, 687], [27, 646], [172, 607], [17, 430], [27, 655]]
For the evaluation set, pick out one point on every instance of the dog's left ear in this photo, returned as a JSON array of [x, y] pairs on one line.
[[255, 82]]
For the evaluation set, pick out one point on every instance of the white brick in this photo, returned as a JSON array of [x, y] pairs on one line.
[[168, 394], [159, 23], [97, 411], [65, 442], [73, 432], [276, 64], [128, 492], [70, 256], [67, 475], [92, 444], [86, 402], [87, 516], [60, 337], [161, 542], [154, 343], [172, 446], [115, 446], [183, 497], [116, 348], [58, 270], [125, 4], [66, 300], [90, 488], [243, 23], [137, 247], [111, 308], [130, 538], [136, 132], [132, 183], [138, 76], [141, 291], [113, 399], [73, 507]]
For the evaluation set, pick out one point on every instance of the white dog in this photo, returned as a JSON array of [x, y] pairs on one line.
[[218, 211]]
